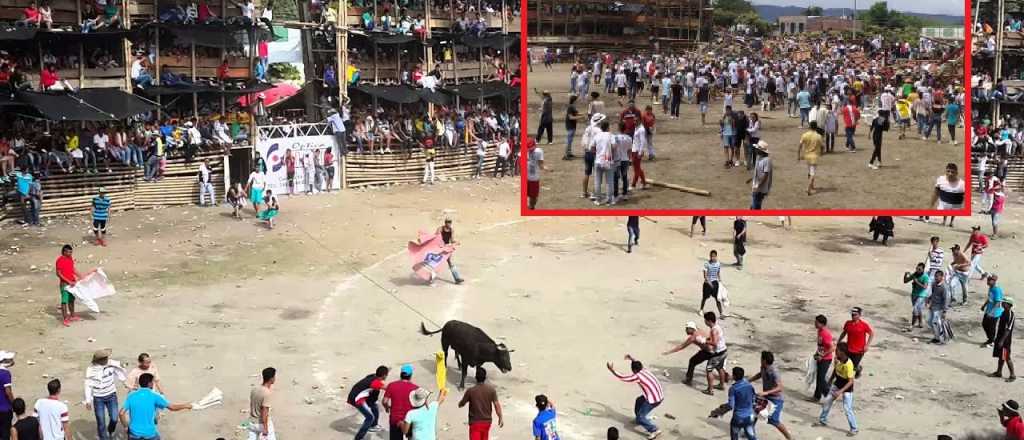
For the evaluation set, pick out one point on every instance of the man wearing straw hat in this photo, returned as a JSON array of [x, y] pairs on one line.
[[6, 394], [761, 183], [101, 391], [421, 422]]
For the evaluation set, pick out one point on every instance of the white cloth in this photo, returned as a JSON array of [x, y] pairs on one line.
[[213, 398], [92, 287]]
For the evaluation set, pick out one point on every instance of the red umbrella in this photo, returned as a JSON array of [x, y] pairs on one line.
[[270, 96]]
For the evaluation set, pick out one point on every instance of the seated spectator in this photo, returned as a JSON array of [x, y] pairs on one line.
[[140, 74], [46, 15], [32, 18], [7, 159], [368, 22], [204, 15], [49, 79]]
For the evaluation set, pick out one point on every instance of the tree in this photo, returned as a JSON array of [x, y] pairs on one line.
[[878, 14], [814, 11], [727, 12]]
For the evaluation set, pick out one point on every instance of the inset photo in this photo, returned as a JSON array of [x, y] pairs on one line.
[[734, 105]]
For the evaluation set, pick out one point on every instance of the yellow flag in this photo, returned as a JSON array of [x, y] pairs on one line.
[[442, 373]]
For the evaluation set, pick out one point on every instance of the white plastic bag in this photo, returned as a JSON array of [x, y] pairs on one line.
[[93, 286], [723, 294], [213, 398]]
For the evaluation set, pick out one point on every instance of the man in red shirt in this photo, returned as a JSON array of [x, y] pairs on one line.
[[851, 116], [630, 116], [823, 357], [32, 16], [1009, 416], [860, 333], [396, 401], [68, 276], [648, 119], [977, 243]]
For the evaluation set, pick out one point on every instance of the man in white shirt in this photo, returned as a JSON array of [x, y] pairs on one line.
[[504, 150], [885, 103], [338, 129], [589, 152], [604, 144], [206, 185], [636, 155], [534, 165], [101, 391], [256, 184], [101, 140], [53, 414]]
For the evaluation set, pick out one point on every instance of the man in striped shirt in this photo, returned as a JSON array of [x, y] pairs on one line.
[[936, 256], [100, 214], [650, 398], [101, 391], [712, 277]]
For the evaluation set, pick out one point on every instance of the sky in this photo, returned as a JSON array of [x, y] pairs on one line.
[[949, 7]]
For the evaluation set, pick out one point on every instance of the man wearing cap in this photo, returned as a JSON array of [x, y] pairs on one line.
[[1004, 338], [100, 215], [993, 309], [101, 391], [544, 423], [140, 409], [1009, 416], [547, 120], [420, 423], [693, 337], [397, 402], [761, 183], [811, 146], [860, 333], [6, 394], [363, 397]]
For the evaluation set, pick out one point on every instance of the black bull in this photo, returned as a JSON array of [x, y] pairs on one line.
[[473, 347]]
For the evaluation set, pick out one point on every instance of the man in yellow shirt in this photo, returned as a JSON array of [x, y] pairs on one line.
[[842, 386], [811, 146]]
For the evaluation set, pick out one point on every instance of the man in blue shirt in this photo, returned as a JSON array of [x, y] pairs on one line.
[[100, 214], [993, 309], [741, 401], [24, 181], [544, 423], [139, 411], [803, 99]]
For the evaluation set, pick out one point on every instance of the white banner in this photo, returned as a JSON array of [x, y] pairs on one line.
[[274, 150]]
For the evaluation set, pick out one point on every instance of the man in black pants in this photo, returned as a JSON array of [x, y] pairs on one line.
[[695, 337], [878, 125], [822, 357], [547, 120]]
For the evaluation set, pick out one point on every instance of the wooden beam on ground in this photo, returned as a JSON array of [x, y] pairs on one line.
[[687, 189]]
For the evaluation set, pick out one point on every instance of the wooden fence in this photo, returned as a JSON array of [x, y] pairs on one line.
[[379, 169], [71, 194]]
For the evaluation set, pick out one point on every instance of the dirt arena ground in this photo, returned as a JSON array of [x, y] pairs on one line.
[[327, 296], [691, 155]]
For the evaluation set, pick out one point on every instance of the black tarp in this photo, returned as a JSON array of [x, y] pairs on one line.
[[207, 35], [17, 33], [383, 38], [436, 97], [492, 41], [488, 89], [203, 88], [396, 94], [85, 105]]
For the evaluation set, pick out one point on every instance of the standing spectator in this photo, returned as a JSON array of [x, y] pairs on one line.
[[1004, 338], [712, 278], [140, 410], [636, 154], [822, 357], [534, 165], [544, 423], [261, 427], [329, 168], [68, 276], [256, 184], [998, 203], [448, 236], [145, 366], [364, 396], [860, 333], [761, 183], [337, 129], [100, 215], [101, 391], [878, 126], [938, 304], [206, 184], [6, 394], [918, 293], [420, 423], [308, 173], [572, 116], [397, 401], [851, 117], [842, 386], [546, 118], [504, 150], [53, 414], [993, 309], [272, 208], [651, 394], [318, 170], [26, 426], [739, 240], [236, 198], [482, 398], [289, 167], [632, 232]]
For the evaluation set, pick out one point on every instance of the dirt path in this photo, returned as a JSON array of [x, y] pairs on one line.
[[691, 155], [327, 296]]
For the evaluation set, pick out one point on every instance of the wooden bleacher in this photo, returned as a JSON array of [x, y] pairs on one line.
[[71, 194]]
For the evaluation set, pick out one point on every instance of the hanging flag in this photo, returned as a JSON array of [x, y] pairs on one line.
[[427, 254]]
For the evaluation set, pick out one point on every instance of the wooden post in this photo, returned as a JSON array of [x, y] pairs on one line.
[[127, 44], [156, 69], [996, 107], [344, 174], [341, 44], [195, 96], [430, 53]]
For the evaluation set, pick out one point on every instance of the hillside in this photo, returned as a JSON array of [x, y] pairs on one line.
[[772, 12]]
